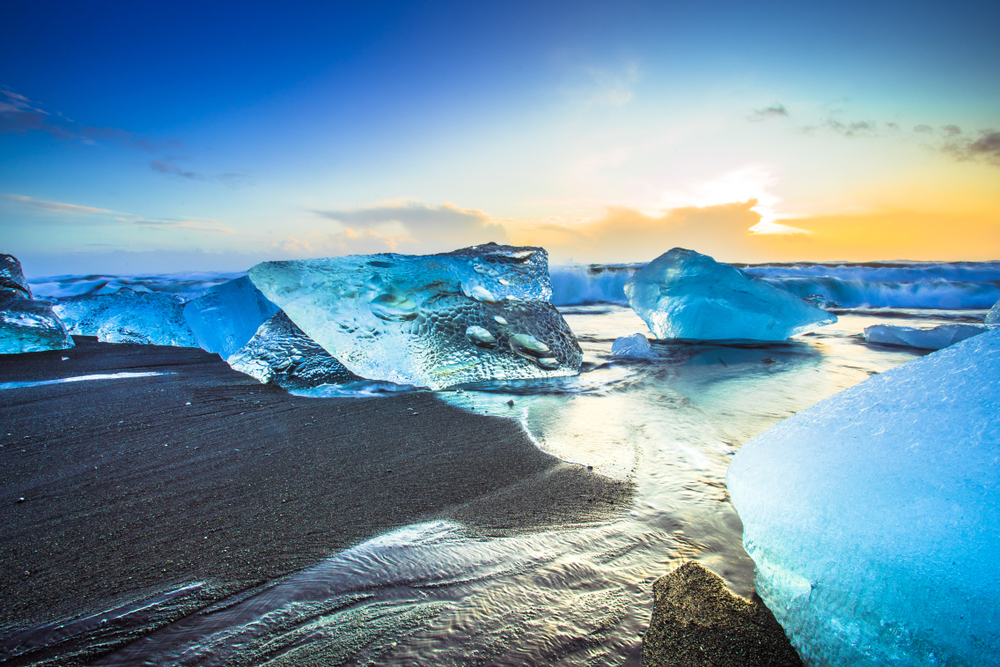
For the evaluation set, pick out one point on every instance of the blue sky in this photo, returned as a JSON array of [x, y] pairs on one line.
[[173, 136]]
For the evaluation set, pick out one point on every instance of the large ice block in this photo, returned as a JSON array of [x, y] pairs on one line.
[[280, 353], [128, 316], [684, 294], [873, 517], [26, 325], [228, 315], [926, 339], [475, 314]]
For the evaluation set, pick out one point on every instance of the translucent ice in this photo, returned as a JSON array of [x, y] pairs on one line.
[[128, 317], [993, 317], [280, 353], [26, 325], [635, 345], [684, 294], [228, 315], [475, 314], [927, 339], [873, 517]]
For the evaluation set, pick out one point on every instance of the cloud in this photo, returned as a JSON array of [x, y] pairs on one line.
[[55, 207], [20, 115], [168, 166], [854, 129], [923, 129], [108, 216], [986, 148], [951, 130], [409, 225], [773, 111]]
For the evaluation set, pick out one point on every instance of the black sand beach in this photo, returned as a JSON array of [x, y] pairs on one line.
[[136, 486]]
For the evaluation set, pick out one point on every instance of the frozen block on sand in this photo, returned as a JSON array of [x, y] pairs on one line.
[[26, 325], [128, 316], [470, 315], [684, 294], [225, 317], [873, 517], [280, 353], [635, 345], [926, 339], [12, 282]]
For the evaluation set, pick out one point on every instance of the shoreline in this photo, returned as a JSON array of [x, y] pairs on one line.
[[140, 485]]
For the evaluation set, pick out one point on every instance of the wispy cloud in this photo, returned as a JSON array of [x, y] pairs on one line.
[[861, 128], [774, 111], [20, 115], [108, 216], [985, 148], [168, 165]]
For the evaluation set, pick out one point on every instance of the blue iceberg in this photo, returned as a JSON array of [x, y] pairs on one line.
[[475, 314], [873, 517], [684, 294], [280, 353], [993, 316], [26, 324], [127, 316], [926, 339], [228, 315]]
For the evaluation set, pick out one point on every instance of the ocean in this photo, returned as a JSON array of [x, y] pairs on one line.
[[432, 594]]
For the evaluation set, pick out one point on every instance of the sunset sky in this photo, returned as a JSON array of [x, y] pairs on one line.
[[136, 138]]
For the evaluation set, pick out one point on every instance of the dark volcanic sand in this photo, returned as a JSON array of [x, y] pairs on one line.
[[137, 486]]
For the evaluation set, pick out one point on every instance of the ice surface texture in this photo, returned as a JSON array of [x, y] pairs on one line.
[[26, 325], [128, 317], [228, 315], [927, 339], [873, 517], [475, 314], [280, 353], [993, 317], [684, 294]]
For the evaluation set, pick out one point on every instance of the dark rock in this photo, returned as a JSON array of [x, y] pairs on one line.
[[697, 621]]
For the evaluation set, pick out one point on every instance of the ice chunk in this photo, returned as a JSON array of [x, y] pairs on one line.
[[128, 317], [927, 339], [684, 294], [26, 325], [993, 317], [475, 314], [636, 345], [872, 517], [228, 315], [280, 353]]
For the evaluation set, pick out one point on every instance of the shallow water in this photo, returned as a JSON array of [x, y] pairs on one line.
[[432, 594]]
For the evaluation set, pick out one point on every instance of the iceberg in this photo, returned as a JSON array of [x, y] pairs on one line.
[[227, 316], [280, 353], [635, 345], [474, 314], [127, 316], [684, 294], [926, 339], [26, 324], [872, 517], [993, 317]]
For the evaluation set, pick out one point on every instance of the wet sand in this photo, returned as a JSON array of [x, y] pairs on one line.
[[136, 486]]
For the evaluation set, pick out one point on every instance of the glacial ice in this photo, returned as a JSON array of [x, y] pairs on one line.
[[474, 314], [873, 517], [926, 339], [684, 294], [993, 317], [26, 324], [227, 316], [128, 316], [636, 345], [280, 353]]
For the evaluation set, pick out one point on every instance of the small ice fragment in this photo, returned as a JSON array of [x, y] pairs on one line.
[[26, 325], [993, 317], [635, 345], [927, 339], [684, 294], [65, 358]]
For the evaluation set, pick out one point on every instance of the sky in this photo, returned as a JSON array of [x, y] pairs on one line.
[[162, 137]]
